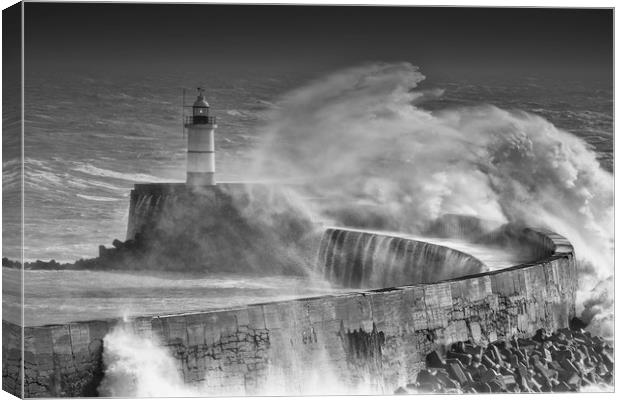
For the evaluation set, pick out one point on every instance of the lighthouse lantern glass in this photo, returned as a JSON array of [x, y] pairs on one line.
[[198, 111]]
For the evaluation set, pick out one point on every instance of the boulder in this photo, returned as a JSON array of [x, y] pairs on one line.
[[457, 373], [435, 360], [463, 357]]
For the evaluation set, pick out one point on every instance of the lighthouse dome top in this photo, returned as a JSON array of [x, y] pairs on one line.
[[201, 102]]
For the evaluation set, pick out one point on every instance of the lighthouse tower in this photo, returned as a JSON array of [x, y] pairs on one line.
[[200, 144]]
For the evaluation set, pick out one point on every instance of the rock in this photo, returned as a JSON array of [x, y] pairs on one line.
[[561, 361], [523, 372], [469, 389], [545, 384], [458, 347], [607, 360], [595, 377], [573, 380], [526, 343], [489, 376], [547, 355], [577, 324], [579, 356], [564, 355], [561, 387], [601, 369], [456, 372], [569, 367], [544, 371], [487, 362], [523, 384], [495, 386], [586, 382], [475, 351], [540, 335], [555, 365], [425, 376], [463, 357], [427, 381], [508, 380], [496, 357], [534, 384], [482, 387], [522, 357], [457, 361], [447, 382], [435, 360], [514, 361]]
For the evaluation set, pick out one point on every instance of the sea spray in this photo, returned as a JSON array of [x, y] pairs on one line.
[[362, 137], [137, 365]]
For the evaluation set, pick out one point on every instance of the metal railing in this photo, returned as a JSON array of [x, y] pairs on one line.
[[199, 120]]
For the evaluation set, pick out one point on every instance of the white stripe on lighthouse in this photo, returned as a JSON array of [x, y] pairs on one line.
[[201, 154]]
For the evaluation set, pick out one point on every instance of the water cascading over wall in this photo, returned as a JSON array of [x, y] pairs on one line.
[[359, 259]]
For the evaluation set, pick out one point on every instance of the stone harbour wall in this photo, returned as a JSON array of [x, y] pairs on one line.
[[375, 339], [231, 227], [12, 358]]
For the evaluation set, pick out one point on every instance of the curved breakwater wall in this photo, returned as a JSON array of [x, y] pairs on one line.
[[359, 259], [377, 338]]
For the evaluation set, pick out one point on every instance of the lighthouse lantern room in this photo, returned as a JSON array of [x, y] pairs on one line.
[[200, 143]]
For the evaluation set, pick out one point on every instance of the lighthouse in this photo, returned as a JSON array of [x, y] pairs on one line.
[[200, 144]]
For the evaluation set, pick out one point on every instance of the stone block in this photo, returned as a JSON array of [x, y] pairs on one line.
[[445, 380], [508, 380], [175, 329], [463, 357], [489, 375], [574, 380], [438, 295], [38, 340], [482, 387], [61, 339], [195, 335], [607, 360], [561, 387], [435, 360], [486, 361], [569, 367], [255, 317], [456, 372], [544, 371], [428, 381], [496, 386]]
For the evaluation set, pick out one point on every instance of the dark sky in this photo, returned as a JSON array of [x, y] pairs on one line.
[[156, 36]]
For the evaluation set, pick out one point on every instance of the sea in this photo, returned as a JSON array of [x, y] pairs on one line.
[[90, 136]]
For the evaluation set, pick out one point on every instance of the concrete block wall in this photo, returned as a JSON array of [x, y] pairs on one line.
[[12, 358], [376, 338]]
